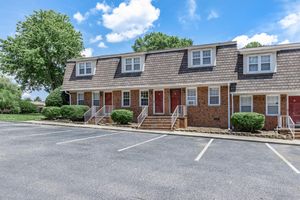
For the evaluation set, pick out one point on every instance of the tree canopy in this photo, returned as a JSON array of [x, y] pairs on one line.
[[158, 41], [36, 55], [253, 45]]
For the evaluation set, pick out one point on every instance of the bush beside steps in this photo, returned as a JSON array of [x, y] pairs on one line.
[[248, 121], [122, 116], [71, 112]]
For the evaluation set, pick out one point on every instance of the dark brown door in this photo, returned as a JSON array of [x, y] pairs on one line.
[[108, 98], [175, 98], [294, 108], [159, 102]]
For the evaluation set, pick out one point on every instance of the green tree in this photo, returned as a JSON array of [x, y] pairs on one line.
[[10, 95], [36, 55], [158, 41], [253, 45]]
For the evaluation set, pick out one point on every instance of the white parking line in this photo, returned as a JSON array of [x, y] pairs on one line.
[[49, 133], [86, 138], [203, 151], [156, 138], [283, 158]]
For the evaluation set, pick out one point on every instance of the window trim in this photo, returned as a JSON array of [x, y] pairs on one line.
[[78, 93], [219, 92], [132, 64], [279, 102], [186, 96], [93, 98], [126, 106], [201, 58], [251, 96], [140, 97], [259, 63], [85, 74]]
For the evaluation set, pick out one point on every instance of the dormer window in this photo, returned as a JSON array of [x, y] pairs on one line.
[[254, 64], [202, 58], [132, 64], [84, 69]]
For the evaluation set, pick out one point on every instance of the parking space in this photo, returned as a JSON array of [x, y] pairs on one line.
[[51, 162]]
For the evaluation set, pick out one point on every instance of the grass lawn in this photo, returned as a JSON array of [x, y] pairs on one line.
[[21, 117]]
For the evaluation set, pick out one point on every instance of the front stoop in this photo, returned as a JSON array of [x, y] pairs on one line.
[[287, 131], [162, 123]]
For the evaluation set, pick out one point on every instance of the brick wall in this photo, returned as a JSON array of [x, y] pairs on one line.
[[209, 116], [259, 106]]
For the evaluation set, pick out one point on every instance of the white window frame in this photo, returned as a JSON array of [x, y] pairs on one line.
[[259, 71], [219, 92], [251, 96], [140, 95], [85, 66], [93, 98], [80, 93], [201, 58], [123, 98], [132, 64], [186, 99], [279, 111]]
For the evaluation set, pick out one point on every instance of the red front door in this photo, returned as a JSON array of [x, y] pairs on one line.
[[175, 98], [159, 102], [294, 108], [108, 98]]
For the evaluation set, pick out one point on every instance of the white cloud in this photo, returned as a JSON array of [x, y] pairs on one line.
[[88, 52], [290, 20], [262, 38], [285, 42], [96, 39], [103, 7], [79, 17], [130, 19], [26, 95], [213, 15], [191, 15], [102, 45]]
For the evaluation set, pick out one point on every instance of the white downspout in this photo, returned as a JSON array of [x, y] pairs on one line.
[[70, 97], [228, 106]]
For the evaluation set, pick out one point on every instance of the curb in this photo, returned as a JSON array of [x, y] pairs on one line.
[[176, 133]]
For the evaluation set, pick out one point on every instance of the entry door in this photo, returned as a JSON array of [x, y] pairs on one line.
[[294, 108], [108, 98], [159, 102], [175, 98]]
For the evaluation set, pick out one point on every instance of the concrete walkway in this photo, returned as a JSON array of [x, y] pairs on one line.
[[179, 133]]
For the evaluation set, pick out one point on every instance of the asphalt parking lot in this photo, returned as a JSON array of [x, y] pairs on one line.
[[51, 162]]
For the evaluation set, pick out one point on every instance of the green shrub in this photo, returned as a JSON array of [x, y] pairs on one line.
[[27, 107], [248, 121], [51, 112], [73, 112], [56, 98], [122, 116]]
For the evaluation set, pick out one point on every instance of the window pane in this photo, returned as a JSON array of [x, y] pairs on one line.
[[128, 61], [191, 97], [206, 61], [253, 60], [81, 68], [128, 67], [265, 67], [136, 67], [274, 100], [246, 109], [136, 61], [196, 54], [265, 59], [207, 53], [126, 98], [214, 91], [96, 103], [88, 68], [214, 100], [196, 61], [253, 67], [144, 98], [272, 110]]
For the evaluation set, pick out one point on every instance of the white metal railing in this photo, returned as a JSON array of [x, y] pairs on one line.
[[88, 115], [103, 112], [285, 121], [180, 111], [142, 116]]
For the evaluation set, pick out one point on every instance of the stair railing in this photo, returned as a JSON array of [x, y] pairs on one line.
[[88, 115], [105, 111], [142, 116], [286, 122], [180, 111]]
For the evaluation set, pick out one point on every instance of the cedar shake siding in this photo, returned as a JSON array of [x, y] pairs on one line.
[[163, 68]]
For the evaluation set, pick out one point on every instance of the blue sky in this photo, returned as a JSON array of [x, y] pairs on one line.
[[112, 26]]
